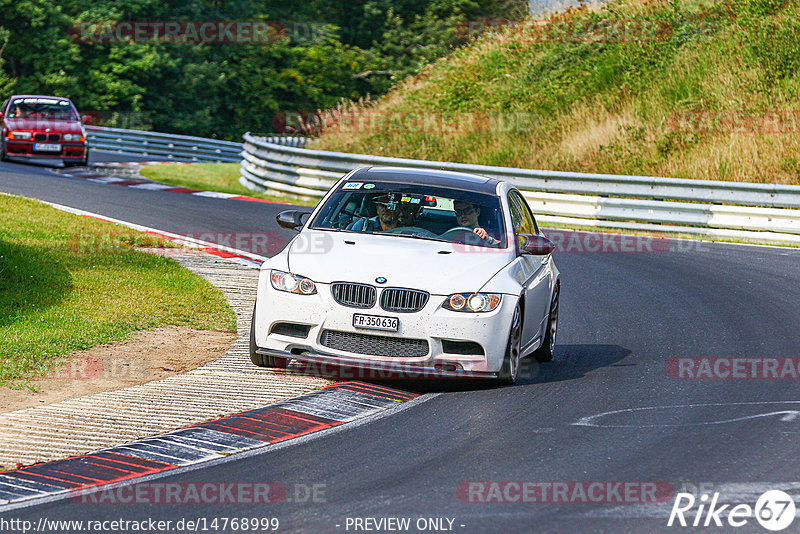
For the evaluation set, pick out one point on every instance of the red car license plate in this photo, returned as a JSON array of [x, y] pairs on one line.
[[45, 147]]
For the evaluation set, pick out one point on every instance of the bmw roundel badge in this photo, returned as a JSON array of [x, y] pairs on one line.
[[381, 280]]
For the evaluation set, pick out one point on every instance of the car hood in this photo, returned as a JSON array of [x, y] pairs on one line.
[[436, 267], [41, 125]]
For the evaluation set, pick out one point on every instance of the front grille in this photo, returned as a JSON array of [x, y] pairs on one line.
[[397, 347], [353, 295], [53, 137], [40, 137], [399, 300]]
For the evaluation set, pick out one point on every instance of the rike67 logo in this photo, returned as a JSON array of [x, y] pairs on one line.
[[774, 510]]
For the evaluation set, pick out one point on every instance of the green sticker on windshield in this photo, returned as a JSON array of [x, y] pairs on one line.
[[369, 186]]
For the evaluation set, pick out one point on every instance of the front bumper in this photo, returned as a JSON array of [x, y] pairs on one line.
[[331, 363], [23, 150], [435, 325]]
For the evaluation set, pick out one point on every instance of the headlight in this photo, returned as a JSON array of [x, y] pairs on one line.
[[472, 302], [19, 135], [73, 137], [291, 283]]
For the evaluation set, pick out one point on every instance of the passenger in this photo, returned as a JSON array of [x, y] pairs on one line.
[[467, 215], [385, 220]]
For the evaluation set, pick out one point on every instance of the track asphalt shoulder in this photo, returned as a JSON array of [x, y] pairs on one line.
[[127, 427]]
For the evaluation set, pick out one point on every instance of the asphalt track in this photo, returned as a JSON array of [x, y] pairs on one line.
[[623, 317]]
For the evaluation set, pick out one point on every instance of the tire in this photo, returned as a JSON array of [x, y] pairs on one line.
[[260, 359], [510, 368], [545, 352], [81, 163], [2, 151]]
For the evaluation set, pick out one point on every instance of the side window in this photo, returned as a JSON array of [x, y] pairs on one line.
[[521, 216], [516, 213], [3, 108], [528, 214]]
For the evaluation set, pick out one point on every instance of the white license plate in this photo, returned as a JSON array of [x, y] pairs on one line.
[[375, 322], [44, 147]]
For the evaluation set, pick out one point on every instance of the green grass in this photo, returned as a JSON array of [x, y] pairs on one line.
[[221, 177], [68, 283], [573, 97]]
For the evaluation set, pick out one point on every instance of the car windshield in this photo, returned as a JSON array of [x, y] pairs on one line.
[[41, 108], [412, 210]]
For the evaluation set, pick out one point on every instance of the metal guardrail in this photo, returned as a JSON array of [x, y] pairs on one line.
[[172, 146], [762, 213]]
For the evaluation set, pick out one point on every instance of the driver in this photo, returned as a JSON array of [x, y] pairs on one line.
[[14, 110], [385, 220], [467, 215]]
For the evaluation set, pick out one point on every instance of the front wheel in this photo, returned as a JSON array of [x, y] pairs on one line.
[[82, 163], [259, 359], [510, 369], [545, 352]]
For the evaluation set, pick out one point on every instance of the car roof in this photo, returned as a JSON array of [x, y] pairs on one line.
[[40, 96], [432, 177], [17, 97]]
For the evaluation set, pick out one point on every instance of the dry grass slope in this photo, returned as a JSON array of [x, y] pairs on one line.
[[684, 88]]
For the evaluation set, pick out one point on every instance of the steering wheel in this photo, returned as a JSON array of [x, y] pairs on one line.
[[455, 231], [412, 230], [464, 235]]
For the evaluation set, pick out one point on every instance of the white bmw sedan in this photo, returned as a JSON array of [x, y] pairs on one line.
[[421, 273]]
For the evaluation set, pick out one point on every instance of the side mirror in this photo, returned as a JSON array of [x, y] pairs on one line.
[[291, 219], [86, 119], [537, 245]]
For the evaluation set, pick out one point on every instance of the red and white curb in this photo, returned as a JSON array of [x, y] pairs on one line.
[[86, 173], [318, 410], [233, 254]]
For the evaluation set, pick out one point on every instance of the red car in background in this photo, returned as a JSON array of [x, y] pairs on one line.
[[34, 127]]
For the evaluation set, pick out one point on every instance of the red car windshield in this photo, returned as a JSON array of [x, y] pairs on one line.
[[40, 108]]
